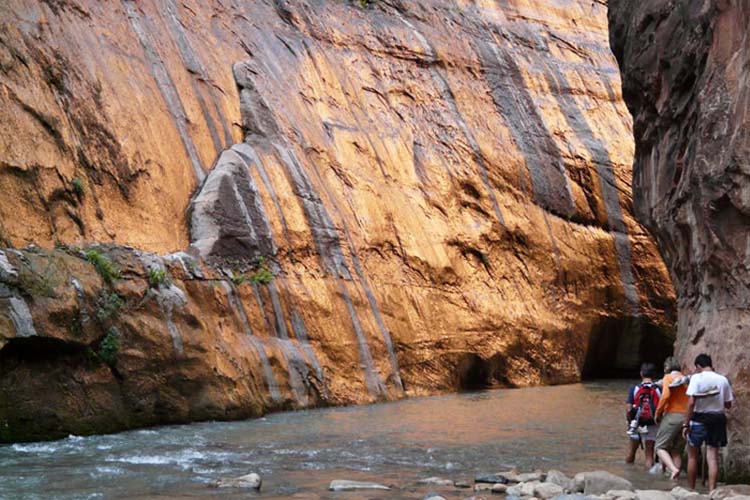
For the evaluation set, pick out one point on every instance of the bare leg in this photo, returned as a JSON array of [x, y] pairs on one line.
[[677, 461], [712, 457], [666, 459], [633, 447], [692, 466], [649, 454]]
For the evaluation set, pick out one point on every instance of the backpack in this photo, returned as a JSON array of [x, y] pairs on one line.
[[645, 401]]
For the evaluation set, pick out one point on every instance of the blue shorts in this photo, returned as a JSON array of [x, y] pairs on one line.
[[711, 429]]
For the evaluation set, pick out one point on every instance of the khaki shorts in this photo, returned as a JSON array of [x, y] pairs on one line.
[[669, 436]]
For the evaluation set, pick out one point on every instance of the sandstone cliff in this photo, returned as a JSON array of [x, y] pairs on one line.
[[686, 80], [365, 203]]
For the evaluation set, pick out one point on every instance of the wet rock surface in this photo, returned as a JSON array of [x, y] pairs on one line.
[[599, 482], [347, 485], [251, 481], [451, 212], [686, 82]]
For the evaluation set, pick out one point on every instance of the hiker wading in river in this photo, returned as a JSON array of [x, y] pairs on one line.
[[670, 414], [705, 422], [640, 412]]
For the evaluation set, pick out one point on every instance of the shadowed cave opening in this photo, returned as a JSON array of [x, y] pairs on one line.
[[475, 373], [618, 346], [38, 350]]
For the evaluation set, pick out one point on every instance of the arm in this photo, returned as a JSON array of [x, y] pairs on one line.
[[688, 416], [728, 396], [663, 400], [629, 404]]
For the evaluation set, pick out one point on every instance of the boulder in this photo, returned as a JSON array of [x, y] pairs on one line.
[[730, 490], [346, 485], [433, 496], [462, 484], [547, 490], [599, 482], [515, 490], [560, 479], [524, 489], [437, 481], [575, 496], [622, 494], [653, 495], [531, 476], [483, 487], [252, 481], [499, 488], [679, 492], [491, 478]]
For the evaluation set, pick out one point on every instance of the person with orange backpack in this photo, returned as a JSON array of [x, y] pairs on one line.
[[643, 399]]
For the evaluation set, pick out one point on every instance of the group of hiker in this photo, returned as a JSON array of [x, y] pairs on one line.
[[663, 416]]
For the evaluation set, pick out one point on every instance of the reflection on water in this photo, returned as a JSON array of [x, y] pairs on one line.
[[572, 428]]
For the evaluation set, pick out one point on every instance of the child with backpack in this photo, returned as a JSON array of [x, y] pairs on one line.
[[640, 413]]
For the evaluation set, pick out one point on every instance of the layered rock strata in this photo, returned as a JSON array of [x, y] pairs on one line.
[[384, 201], [686, 81]]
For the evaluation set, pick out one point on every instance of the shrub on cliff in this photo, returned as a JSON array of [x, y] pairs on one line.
[[158, 277], [106, 269], [109, 305], [109, 347]]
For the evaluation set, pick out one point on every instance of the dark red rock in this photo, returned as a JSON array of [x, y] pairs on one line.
[[686, 80]]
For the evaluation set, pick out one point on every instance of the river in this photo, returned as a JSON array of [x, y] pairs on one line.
[[572, 428]]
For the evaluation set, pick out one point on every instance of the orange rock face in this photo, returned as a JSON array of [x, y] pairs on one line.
[[394, 200]]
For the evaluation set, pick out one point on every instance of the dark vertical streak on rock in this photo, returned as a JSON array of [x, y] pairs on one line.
[[300, 331], [325, 235], [236, 304], [195, 69], [600, 155], [515, 104], [447, 95], [166, 87], [287, 352], [375, 386], [251, 158], [278, 312]]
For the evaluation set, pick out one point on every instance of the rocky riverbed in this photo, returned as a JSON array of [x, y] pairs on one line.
[[515, 485]]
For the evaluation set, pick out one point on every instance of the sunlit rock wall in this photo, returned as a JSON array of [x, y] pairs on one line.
[[687, 83], [440, 189]]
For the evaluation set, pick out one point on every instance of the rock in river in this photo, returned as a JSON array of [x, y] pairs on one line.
[[560, 479], [547, 490], [251, 480], [345, 485], [437, 481], [491, 478], [599, 482]]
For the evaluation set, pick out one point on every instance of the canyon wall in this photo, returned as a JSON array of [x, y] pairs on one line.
[[266, 205], [686, 81]]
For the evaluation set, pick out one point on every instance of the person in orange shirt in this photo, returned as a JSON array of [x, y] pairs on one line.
[[670, 413]]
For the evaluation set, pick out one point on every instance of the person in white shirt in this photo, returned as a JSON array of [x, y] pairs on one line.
[[710, 395]]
